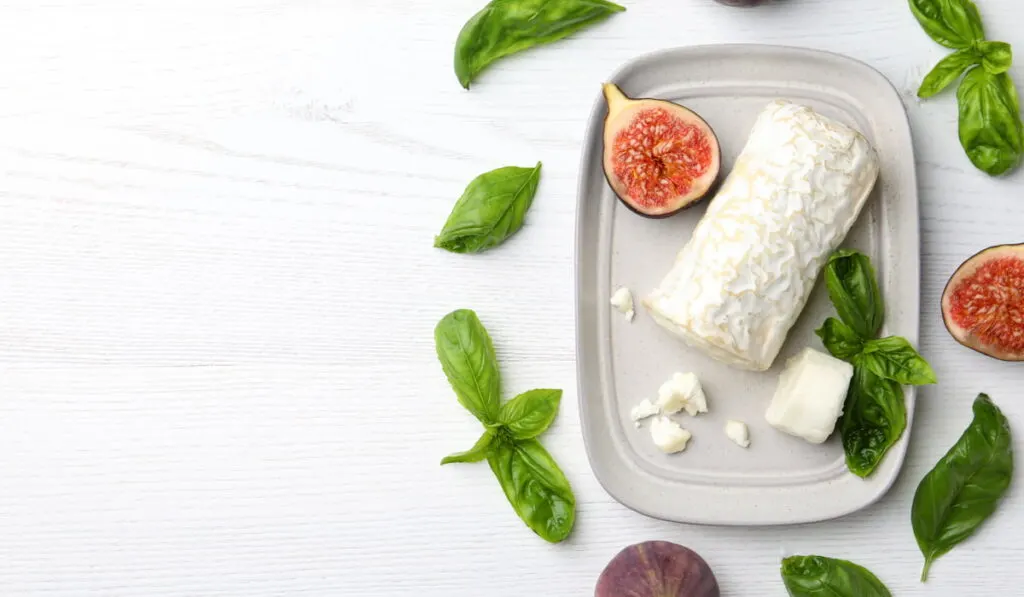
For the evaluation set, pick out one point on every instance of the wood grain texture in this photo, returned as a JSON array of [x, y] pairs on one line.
[[217, 296]]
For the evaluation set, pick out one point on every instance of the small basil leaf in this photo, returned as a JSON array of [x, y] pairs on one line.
[[947, 71], [840, 339], [965, 486], [467, 357], [874, 418], [490, 210], [997, 56], [535, 486], [990, 126], [952, 23], [894, 358], [818, 576], [478, 452], [530, 413], [505, 27], [853, 288]]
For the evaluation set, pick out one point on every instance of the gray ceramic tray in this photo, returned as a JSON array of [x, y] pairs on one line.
[[779, 479]]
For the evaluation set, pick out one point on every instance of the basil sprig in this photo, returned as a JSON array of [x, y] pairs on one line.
[[818, 576], [490, 210], [965, 486], [874, 415], [505, 27], [990, 127], [533, 483]]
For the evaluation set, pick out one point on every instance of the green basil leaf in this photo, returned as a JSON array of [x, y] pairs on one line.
[[947, 71], [505, 27], [478, 452], [490, 210], [965, 486], [990, 126], [997, 56], [874, 418], [818, 576], [894, 358], [530, 413], [535, 486], [952, 23], [853, 288], [467, 357], [840, 339]]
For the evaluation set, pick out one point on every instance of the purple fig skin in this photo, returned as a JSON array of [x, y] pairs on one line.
[[657, 569], [743, 3]]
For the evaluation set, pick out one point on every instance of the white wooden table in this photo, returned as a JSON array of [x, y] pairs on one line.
[[218, 292]]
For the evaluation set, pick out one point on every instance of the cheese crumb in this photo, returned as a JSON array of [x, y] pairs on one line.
[[681, 392], [643, 410], [668, 435], [737, 431], [622, 300]]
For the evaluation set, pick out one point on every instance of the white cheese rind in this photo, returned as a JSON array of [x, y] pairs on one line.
[[810, 396], [740, 283]]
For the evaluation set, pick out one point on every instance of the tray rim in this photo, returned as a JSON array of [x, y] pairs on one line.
[[899, 452]]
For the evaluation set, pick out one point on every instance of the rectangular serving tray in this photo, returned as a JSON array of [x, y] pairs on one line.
[[779, 479]]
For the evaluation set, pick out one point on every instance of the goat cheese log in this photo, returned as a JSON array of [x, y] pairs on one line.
[[740, 283]]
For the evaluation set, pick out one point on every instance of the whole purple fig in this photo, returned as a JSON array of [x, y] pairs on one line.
[[657, 569]]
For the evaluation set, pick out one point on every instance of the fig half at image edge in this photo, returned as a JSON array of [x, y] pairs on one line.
[[659, 157], [983, 303]]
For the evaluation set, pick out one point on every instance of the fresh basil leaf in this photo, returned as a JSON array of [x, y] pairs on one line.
[[874, 418], [530, 413], [478, 452], [490, 210], [535, 486], [894, 358], [997, 56], [505, 27], [467, 356], [991, 131], [947, 71], [853, 288], [965, 486], [840, 339], [952, 23], [818, 576]]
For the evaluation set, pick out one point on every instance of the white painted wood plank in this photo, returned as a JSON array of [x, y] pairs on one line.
[[217, 296]]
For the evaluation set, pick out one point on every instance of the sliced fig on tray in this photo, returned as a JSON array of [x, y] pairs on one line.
[[657, 569], [983, 303], [659, 157]]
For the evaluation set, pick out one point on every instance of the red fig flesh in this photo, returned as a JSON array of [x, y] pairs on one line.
[[983, 303], [657, 569], [659, 157]]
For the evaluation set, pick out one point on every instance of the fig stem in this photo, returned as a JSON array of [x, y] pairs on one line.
[[614, 96]]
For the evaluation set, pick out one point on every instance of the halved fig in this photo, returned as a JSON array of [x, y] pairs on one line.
[[659, 157], [983, 303], [657, 569]]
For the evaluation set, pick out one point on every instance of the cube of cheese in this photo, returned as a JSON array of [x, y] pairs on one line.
[[809, 398]]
